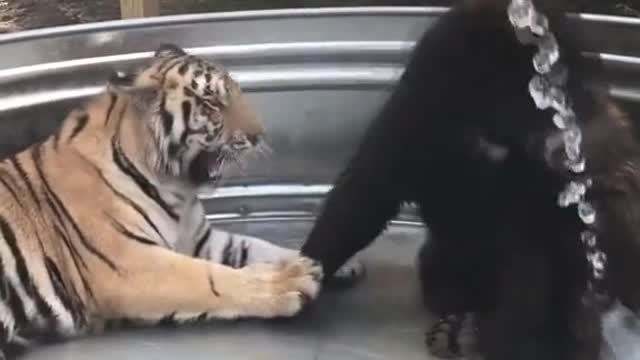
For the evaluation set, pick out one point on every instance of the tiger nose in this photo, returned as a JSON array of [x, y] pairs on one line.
[[254, 139]]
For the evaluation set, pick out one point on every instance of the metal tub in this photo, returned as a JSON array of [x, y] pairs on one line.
[[317, 76]]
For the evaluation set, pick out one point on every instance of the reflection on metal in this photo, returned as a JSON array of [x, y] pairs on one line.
[[15, 102], [616, 20], [373, 49], [223, 16], [267, 190], [281, 202], [316, 75], [251, 15], [286, 216]]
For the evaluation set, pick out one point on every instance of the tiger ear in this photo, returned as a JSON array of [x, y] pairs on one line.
[[169, 51], [143, 99], [121, 79]]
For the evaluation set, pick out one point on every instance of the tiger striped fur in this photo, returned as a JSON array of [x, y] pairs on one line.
[[101, 221]]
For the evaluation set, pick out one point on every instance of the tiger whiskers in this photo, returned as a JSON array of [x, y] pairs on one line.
[[238, 162], [263, 149]]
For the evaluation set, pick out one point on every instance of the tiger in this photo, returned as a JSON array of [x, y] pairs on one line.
[[101, 221]]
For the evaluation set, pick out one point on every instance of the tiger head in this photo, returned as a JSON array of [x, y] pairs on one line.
[[197, 113]]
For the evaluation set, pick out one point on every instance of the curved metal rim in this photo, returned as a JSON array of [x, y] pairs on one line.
[[265, 14], [220, 16], [262, 50], [292, 190], [292, 78], [288, 217], [226, 192]]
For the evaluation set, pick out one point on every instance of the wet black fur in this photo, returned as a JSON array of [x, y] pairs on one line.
[[499, 245]]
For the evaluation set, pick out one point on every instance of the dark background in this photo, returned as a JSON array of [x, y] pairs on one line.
[[18, 15]]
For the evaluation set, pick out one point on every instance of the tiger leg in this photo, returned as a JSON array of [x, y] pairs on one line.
[[12, 343], [201, 240], [7, 329], [237, 251], [153, 283]]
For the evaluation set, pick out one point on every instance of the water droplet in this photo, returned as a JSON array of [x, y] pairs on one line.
[[572, 194], [572, 150], [562, 121], [572, 139], [588, 238], [559, 75], [547, 55], [577, 166], [539, 23], [538, 89], [586, 212], [545, 95], [588, 182], [598, 260], [557, 99], [521, 13], [563, 200], [542, 62]]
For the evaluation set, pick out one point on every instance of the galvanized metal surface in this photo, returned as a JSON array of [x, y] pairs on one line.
[[334, 65], [317, 76]]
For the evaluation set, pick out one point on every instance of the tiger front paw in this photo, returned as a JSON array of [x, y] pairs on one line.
[[282, 289]]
